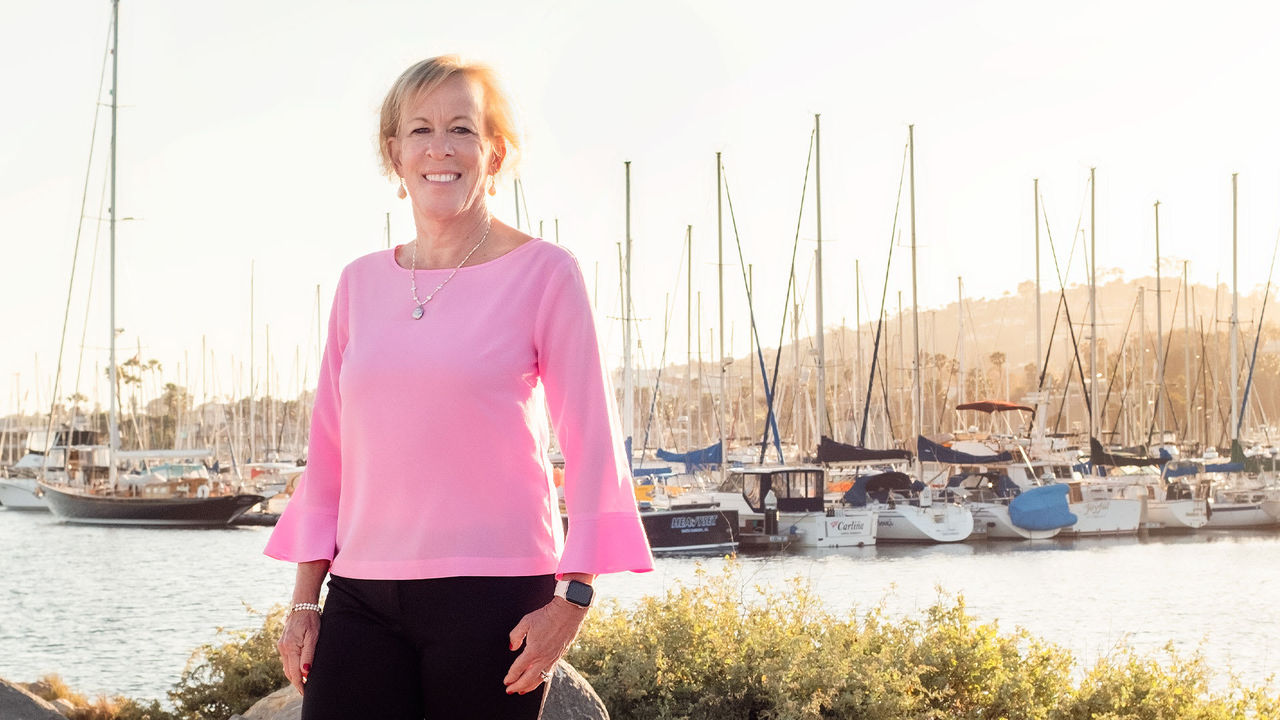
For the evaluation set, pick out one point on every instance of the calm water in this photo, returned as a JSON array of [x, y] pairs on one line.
[[119, 610]]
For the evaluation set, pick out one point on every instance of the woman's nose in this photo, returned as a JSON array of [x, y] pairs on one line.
[[439, 146]]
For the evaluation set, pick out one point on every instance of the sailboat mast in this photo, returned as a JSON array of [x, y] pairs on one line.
[[960, 334], [113, 419], [720, 283], [253, 388], [1037, 418], [1159, 370], [916, 401], [1093, 307], [1040, 351], [1235, 317], [857, 333], [1186, 349], [628, 389], [822, 356], [688, 341]]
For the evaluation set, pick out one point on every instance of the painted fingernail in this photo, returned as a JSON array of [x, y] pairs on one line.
[[306, 668]]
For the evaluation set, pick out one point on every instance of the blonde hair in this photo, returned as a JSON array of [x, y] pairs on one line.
[[423, 77]]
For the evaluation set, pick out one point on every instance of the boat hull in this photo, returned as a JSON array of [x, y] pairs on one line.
[[20, 494], [1186, 514], [1239, 515], [691, 531], [84, 509], [939, 523], [1106, 516], [992, 520], [846, 527]]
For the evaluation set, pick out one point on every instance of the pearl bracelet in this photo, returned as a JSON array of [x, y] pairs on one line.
[[303, 606]]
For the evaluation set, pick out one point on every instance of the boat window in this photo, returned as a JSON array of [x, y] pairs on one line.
[[732, 484]]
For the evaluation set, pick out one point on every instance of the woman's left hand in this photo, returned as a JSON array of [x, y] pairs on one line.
[[546, 634]]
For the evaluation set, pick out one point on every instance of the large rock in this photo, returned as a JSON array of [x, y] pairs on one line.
[[570, 698], [17, 703], [283, 704]]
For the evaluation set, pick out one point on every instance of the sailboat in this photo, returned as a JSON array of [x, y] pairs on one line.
[[689, 526], [171, 487]]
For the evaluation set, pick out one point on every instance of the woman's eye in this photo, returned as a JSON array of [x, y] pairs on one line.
[[420, 131], [462, 130]]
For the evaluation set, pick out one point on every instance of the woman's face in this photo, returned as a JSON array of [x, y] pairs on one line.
[[441, 152]]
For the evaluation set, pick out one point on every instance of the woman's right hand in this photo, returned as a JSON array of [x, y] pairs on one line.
[[297, 646]]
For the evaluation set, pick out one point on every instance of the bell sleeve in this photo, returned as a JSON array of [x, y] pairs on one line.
[[307, 529], [605, 534]]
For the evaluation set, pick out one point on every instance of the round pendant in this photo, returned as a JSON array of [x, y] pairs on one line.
[[417, 313]]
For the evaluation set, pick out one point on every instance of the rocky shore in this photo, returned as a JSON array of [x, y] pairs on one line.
[[570, 697]]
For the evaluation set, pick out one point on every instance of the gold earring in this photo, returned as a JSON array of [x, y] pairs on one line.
[[402, 193], [493, 187]]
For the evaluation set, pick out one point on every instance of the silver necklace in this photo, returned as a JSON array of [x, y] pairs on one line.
[[413, 273]]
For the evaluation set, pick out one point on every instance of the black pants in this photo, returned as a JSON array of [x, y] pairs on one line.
[[413, 649]]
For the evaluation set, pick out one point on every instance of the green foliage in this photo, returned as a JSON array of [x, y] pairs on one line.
[[718, 649], [227, 678]]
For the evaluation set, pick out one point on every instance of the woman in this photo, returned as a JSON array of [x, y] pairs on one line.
[[428, 496]]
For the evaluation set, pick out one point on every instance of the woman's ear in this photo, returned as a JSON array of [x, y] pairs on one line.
[[499, 151], [393, 152]]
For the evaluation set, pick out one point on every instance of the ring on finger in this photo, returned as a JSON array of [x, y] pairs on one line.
[[545, 675]]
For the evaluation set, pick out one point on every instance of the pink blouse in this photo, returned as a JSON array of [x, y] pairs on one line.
[[429, 438]]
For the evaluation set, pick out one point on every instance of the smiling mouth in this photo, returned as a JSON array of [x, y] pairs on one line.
[[442, 177]]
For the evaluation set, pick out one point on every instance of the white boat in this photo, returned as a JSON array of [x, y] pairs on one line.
[[1169, 503], [1242, 509], [803, 515], [19, 493], [1184, 514], [1104, 509], [992, 520], [980, 477], [908, 512], [63, 456], [929, 522]]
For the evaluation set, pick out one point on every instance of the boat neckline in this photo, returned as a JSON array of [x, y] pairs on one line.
[[391, 256]]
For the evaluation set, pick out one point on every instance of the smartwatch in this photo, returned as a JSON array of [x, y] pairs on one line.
[[578, 593]]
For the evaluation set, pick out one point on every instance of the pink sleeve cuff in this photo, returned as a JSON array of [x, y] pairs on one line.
[[303, 535], [605, 543]]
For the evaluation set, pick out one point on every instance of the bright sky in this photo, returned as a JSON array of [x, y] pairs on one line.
[[245, 141]]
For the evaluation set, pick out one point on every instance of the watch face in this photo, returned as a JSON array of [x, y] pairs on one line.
[[579, 593]]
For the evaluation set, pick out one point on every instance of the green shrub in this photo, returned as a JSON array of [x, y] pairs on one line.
[[227, 678], [720, 649], [717, 649]]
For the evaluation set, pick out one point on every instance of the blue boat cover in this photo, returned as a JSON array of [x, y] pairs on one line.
[[1186, 467], [1042, 508], [879, 487], [930, 450], [642, 472], [693, 459], [1225, 467], [1182, 469]]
